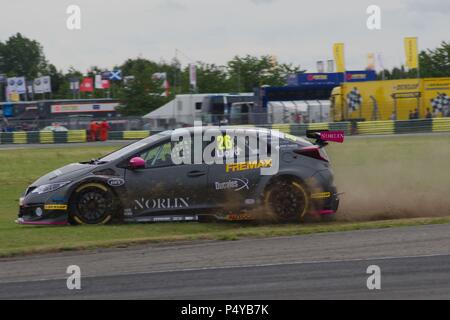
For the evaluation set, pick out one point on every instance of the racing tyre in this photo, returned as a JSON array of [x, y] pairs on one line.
[[287, 200], [92, 203]]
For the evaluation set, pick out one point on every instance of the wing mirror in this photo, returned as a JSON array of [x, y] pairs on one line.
[[137, 163]]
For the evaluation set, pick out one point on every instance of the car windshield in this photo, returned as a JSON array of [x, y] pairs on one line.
[[134, 147]]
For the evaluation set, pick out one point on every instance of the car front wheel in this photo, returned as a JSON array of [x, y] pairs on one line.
[[92, 203]]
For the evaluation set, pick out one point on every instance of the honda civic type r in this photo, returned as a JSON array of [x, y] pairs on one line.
[[145, 182]]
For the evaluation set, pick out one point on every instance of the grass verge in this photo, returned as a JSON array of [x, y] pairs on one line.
[[128, 235], [369, 164]]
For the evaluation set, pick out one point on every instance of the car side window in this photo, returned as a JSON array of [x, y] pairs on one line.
[[159, 156]]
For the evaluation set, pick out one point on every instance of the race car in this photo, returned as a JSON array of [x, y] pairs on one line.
[[192, 174]]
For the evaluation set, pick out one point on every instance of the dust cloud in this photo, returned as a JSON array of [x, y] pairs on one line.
[[393, 179]]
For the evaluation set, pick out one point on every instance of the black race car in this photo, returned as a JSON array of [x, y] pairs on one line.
[[189, 174]]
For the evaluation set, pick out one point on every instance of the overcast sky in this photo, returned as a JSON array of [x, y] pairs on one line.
[[213, 31]]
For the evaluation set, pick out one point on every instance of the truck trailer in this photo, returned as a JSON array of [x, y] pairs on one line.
[[391, 100]]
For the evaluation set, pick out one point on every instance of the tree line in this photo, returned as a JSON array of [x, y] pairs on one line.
[[21, 56], [432, 62]]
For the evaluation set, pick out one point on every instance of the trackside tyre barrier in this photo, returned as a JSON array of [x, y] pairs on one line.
[[375, 127], [441, 125], [71, 136]]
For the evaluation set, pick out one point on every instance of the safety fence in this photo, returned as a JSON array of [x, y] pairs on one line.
[[350, 128]]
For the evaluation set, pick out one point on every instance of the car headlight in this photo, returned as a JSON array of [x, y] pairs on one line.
[[45, 188]]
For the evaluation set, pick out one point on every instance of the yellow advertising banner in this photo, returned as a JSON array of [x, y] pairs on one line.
[[436, 95], [378, 99], [411, 52], [339, 58]]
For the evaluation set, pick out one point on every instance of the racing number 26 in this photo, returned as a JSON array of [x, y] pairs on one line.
[[224, 142]]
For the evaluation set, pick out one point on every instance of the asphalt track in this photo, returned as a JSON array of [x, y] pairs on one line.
[[414, 262]]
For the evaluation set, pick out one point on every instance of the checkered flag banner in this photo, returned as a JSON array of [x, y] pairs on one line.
[[354, 99], [441, 102]]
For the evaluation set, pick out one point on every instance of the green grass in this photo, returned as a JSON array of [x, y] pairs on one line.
[[361, 162]]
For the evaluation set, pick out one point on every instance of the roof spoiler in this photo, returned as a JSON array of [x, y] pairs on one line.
[[323, 136]]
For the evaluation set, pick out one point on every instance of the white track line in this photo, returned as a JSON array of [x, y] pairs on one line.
[[236, 267]]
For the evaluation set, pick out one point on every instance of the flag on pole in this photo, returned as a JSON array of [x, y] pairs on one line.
[[47, 84], [87, 85], [106, 84], [11, 90], [17, 84], [370, 61], [106, 75], [166, 86], [193, 75], [98, 82], [339, 57], [116, 74], [411, 53], [42, 85], [320, 66], [21, 85], [74, 85], [330, 66], [11, 85], [380, 60], [38, 86]]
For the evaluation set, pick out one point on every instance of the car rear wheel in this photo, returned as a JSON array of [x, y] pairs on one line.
[[287, 200], [92, 203]]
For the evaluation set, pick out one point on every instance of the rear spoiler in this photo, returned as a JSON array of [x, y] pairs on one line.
[[323, 136]]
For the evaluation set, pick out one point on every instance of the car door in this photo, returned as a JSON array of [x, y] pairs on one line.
[[232, 186], [163, 188]]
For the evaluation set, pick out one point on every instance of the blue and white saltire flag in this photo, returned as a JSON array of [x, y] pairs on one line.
[[116, 75]]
